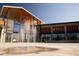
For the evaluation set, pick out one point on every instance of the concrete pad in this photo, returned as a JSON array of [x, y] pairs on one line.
[[64, 49]]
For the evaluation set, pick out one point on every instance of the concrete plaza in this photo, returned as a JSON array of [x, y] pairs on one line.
[[63, 49]]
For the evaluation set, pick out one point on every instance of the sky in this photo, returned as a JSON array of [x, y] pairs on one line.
[[51, 12]]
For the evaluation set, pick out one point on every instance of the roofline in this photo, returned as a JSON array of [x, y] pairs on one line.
[[11, 6], [23, 9], [8, 6], [32, 14], [59, 23]]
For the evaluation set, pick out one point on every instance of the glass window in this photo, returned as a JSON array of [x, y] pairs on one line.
[[16, 32], [16, 27]]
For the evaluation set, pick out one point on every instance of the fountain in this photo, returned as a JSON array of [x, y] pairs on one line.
[[28, 32], [27, 50]]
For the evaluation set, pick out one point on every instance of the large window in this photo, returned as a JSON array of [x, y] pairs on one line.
[[77, 36], [16, 27], [16, 31], [46, 37], [58, 36], [72, 36]]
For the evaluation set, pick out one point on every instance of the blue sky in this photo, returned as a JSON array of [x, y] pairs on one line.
[[52, 12]]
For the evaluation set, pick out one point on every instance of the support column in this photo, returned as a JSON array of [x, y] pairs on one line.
[[3, 32], [51, 33], [3, 35], [35, 32], [65, 31]]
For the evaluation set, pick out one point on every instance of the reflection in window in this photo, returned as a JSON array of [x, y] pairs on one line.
[[16, 27], [16, 31]]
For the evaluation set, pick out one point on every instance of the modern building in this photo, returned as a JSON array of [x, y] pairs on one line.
[[58, 32], [17, 25]]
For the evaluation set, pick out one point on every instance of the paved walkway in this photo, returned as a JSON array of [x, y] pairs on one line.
[[64, 49]]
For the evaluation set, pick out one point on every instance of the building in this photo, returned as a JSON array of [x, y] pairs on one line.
[[17, 25], [58, 32]]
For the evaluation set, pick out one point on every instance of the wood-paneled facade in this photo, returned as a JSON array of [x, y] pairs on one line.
[[18, 24]]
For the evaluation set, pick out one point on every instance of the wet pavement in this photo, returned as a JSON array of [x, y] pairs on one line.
[[27, 50]]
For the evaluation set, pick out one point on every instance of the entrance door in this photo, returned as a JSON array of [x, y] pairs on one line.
[[8, 37], [46, 38]]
